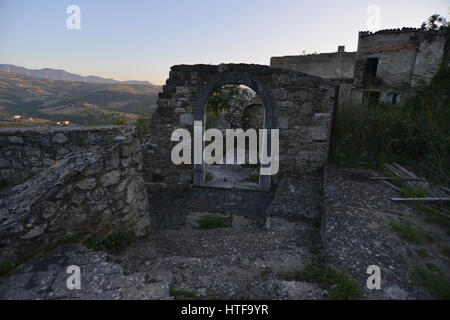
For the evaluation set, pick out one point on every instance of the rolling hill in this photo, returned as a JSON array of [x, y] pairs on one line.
[[79, 102], [57, 74]]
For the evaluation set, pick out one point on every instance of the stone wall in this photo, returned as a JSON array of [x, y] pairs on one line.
[[247, 114], [300, 106], [24, 152], [86, 183], [406, 57], [337, 65]]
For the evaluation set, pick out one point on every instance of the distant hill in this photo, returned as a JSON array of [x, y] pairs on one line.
[[64, 75], [79, 102]]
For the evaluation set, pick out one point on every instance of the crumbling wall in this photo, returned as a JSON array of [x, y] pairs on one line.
[[301, 107], [406, 57], [337, 65], [91, 190]]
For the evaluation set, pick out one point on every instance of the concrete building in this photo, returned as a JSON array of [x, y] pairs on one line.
[[388, 64]]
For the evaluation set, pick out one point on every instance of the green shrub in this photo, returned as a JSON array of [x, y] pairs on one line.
[[339, 285], [418, 131], [143, 124], [212, 223], [412, 192], [116, 242], [121, 122], [434, 281], [6, 267], [410, 233], [253, 177]]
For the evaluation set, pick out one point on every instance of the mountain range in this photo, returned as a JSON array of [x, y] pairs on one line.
[[57, 74]]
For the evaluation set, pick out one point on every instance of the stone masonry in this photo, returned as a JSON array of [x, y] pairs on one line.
[[300, 106], [84, 182]]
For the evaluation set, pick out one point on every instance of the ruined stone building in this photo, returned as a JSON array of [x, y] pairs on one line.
[[386, 67]]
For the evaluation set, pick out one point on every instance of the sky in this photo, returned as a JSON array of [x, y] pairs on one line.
[[141, 40]]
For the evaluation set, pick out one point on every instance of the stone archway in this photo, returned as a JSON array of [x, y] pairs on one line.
[[270, 120], [299, 105]]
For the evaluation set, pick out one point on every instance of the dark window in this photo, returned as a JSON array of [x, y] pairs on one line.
[[395, 99], [371, 68]]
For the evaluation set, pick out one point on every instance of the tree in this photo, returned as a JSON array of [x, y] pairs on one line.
[[225, 97], [436, 22]]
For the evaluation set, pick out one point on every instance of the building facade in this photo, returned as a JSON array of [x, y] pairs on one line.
[[386, 67]]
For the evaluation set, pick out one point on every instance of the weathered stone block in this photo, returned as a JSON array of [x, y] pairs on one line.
[[186, 119], [283, 123], [110, 178], [59, 138], [87, 184], [318, 133], [15, 140]]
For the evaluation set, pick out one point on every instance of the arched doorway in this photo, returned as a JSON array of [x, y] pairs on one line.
[[239, 78]]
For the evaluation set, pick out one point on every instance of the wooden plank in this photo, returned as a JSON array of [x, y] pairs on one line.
[[406, 172], [405, 175], [438, 211], [422, 185], [445, 189], [420, 199], [395, 178], [399, 174], [442, 176], [391, 185]]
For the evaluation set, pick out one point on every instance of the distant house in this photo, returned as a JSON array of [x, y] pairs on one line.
[[387, 66]]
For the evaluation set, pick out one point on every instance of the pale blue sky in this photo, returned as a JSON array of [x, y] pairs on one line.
[[140, 40]]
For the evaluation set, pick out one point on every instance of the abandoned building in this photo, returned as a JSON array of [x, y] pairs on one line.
[[386, 67]]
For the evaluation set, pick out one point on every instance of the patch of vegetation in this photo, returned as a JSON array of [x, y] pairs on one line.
[[434, 281], [339, 285], [113, 243], [212, 223], [412, 192], [208, 176], [121, 122], [6, 267], [92, 244], [143, 124], [60, 242], [14, 124], [117, 242], [416, 132], [222, 100], [183, 294], [317, 221], [32, 253], [253, 177], [410, 233], [446, 251]]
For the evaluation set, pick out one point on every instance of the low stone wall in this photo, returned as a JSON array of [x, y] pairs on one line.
[[338, 65], [87, 184], [25, 151]]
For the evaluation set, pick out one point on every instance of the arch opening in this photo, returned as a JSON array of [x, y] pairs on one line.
[[234, 101]]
